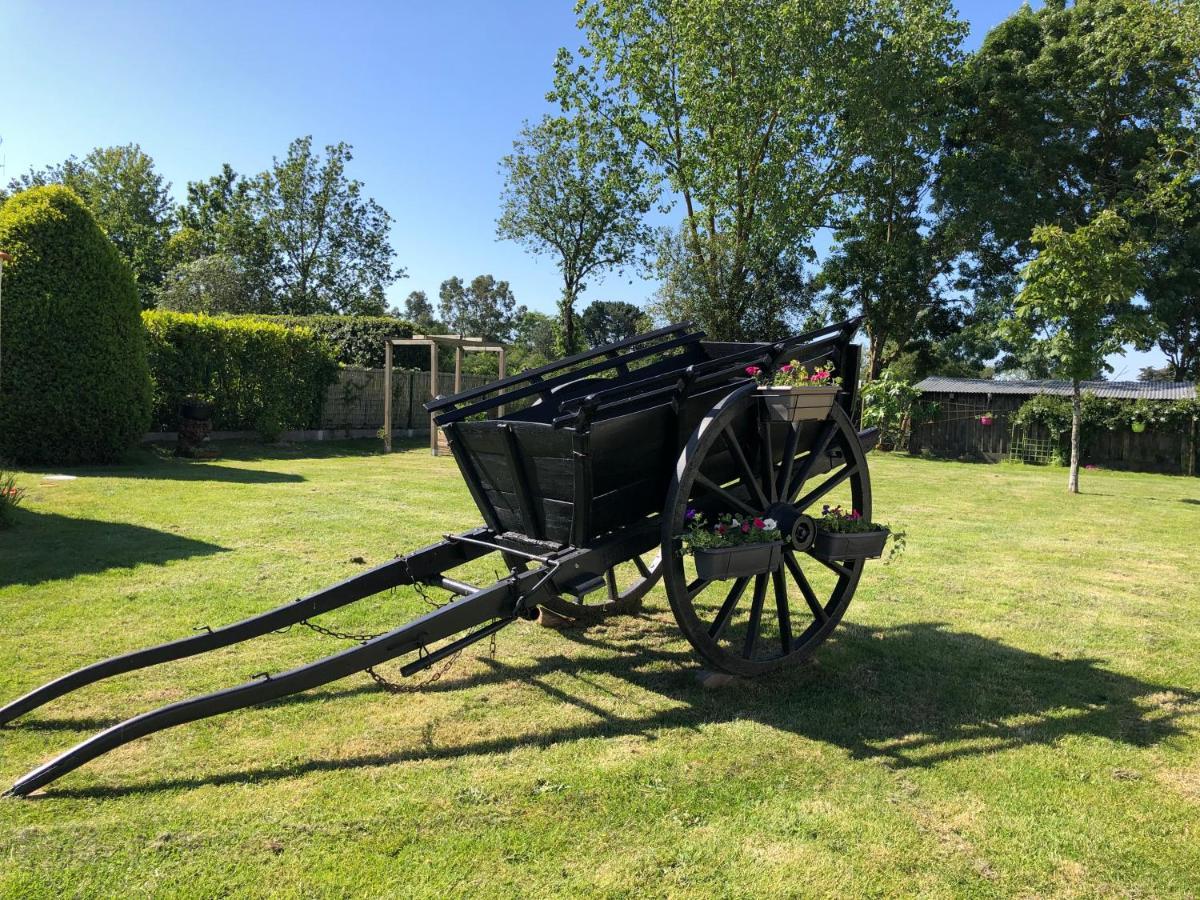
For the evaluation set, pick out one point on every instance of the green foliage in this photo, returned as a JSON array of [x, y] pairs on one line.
[[74, 385], [211, 285], [574, 190], [887, 262], [259, 375], [727, 531], [608, 321], [893, 405], [737, 108], [358, 340], [419, 311], [1075, 307], [308, 239], [11, 497], [1046, 411], [129, 200], [484, 308], [1057, 113]]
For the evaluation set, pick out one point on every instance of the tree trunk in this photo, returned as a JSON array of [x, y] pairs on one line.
[[567, 309], [1076, 419], [874, 358]]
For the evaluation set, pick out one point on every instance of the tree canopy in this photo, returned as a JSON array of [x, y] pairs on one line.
[[573, 189]]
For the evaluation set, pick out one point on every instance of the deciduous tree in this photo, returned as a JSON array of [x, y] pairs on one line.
[[574, 190], [1074, 308]]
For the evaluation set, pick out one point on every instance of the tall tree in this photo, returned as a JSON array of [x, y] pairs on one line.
[[736, 105], [609, 321], [128, 199], [1055, 115], [330, 244], [575, 191], [484, 308], [887, 264], [1074, 308], [419, 311]]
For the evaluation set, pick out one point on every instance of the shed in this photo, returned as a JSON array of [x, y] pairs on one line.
[[960, 430]]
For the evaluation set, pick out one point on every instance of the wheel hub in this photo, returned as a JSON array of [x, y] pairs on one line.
[[797, 528]]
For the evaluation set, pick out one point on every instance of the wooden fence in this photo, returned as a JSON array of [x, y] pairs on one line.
[[356, 400]]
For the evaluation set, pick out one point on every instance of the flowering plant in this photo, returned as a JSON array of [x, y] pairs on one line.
[[10, 497], [727, 531], [836, 520], [793, 374]]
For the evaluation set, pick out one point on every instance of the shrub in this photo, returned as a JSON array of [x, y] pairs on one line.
[[358, 340], [10, 497], [893, 405], [74, 385], [258, 375]]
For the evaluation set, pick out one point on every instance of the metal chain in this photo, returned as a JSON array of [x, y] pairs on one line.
[[392, 687]]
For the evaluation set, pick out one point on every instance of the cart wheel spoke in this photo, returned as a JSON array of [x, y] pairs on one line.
[[697, 587], [725, 613], [835, 567], [817, 451], [729, 498], [788, 464], [810, 597], [782, 611], [756, 608], [610, 577], [768, 453], [825, 487], [642, 568], [748, 477]]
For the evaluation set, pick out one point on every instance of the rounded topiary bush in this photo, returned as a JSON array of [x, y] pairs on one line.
[[74, 382]]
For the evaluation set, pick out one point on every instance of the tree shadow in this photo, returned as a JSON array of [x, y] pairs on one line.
[[1190, 500], [44, 546], [911, 696]]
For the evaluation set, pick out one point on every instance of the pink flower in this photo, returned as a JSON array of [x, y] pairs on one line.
[[753, 371], [855, 514], [745, 528], [758, 523], [820, 375], [786, 367]]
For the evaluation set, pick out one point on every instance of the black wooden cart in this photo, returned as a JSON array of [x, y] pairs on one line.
[[584, 484]]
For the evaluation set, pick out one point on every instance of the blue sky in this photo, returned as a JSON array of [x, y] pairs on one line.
[[429, 94]]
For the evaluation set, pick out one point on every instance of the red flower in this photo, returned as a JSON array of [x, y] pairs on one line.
[[745, 528], [753, 371], [758, 523]]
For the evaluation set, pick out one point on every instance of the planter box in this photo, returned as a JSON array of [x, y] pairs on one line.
[[195, 410], [864, 545], [738, 562], [798, 404]]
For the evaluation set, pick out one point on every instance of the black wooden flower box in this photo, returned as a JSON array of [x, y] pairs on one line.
[[798, 404], [833, 545], [716, 563]]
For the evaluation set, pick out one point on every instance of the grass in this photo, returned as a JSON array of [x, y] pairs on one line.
[[1012, 708]]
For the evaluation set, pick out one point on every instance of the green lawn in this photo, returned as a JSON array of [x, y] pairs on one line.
[[1011, 708]]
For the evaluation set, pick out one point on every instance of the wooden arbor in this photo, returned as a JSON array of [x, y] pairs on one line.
[[434, 342]]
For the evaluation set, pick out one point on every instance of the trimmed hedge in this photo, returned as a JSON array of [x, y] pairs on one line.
[[74, 385], [358, 340], [259, 375]]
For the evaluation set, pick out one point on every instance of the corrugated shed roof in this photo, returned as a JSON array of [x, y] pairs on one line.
[[1121, 390]]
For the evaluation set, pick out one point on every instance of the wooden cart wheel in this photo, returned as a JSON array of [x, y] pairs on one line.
[[625, 586], [738, 461]]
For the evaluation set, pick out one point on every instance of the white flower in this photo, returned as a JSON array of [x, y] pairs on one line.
[[770, 524], [735, 524]]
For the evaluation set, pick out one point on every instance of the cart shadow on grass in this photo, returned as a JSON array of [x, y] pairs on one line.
[[911, 695]]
